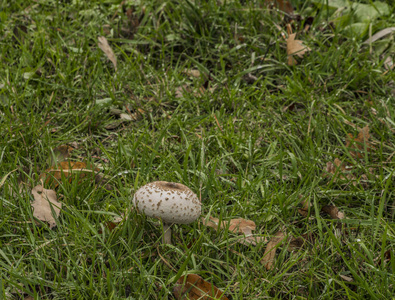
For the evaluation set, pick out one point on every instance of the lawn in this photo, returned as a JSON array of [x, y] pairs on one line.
[[279, 115]]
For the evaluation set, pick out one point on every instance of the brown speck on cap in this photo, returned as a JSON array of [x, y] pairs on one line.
[[159, 203]]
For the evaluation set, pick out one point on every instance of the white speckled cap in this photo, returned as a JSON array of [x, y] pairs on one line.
[[169, 201]]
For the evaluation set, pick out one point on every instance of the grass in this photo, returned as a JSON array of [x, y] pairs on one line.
[[252, 150]]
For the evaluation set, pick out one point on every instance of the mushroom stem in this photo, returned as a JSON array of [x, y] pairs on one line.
[[166, 239]]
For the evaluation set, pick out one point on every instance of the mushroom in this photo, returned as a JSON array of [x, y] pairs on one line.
[[171, 202]]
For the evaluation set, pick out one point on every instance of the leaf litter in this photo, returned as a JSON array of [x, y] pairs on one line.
[[53, 176], [294, 47], [45, 205], [357, 145], [333, 211], [105, 47], [59, 154], [238, 226], [194, 287], [270, 252]]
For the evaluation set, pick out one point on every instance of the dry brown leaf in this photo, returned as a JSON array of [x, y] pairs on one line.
[[68, 168], [103, 44], [333, 211], [193, 287], [192, 72], [296, 243], [387, 257], [359, 143], [270, 252], [252, 240], [60, 153], [180, 91], [249, 78], [242, 226], [43, 201], [346, 278], [235, 225], [339, 169], [284, 6], [238, 226], [304, 211], [111, 225], [294, 47], [126, 117]]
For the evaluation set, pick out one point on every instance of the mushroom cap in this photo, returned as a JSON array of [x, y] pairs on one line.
[[169, 201]]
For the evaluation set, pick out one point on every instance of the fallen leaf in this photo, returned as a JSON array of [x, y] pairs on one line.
[[66, 168], [193, 287], [103, 44], [304, 211], [112, 224], [60, 153], [387, 257], [192, 72], [333, 211], [241, 226], [294, 47], [379, 35], [126, 117], [235, 225], [270, 252], [297, 243], [238, 226], [346, 278], [249, 78], [339, 169], [284, 6], [359, 143], [45, 201], [180, 91]]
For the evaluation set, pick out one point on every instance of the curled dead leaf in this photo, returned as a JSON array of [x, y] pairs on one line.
[[193, 287], [113, 223], [270, 252], [235, 225], [333, 211], [238, 226], [357, 145], [304, 211], [60, 153], [294, 47], [347, 278], [192, 73], [53, 176], [103, 45], [45, 205], [340, 170]]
